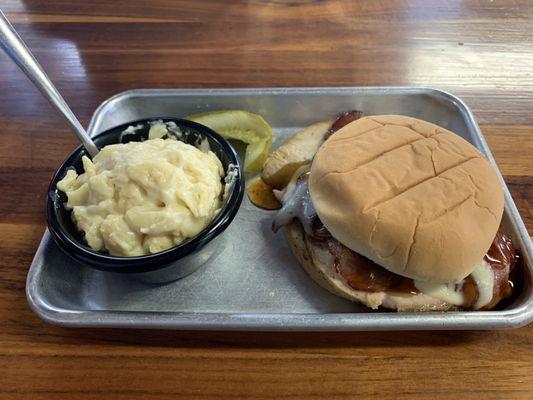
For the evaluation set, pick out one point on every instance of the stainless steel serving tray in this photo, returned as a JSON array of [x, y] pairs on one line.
[[255, 283]]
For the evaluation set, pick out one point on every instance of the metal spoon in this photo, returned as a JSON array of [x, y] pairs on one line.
[[15, 48]]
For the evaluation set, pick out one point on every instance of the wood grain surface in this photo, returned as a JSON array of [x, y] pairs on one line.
[[479, 50]]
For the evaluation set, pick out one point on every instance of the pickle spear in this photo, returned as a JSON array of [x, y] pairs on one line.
[[247, 127]]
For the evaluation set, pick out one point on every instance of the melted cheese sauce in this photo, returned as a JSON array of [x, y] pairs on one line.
[[296, 204], [452, 293], [484, 278], [442, 291]]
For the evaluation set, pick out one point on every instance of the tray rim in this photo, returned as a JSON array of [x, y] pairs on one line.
[[512, 318]]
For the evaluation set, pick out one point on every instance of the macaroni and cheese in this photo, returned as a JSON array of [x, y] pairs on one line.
[[141, 198]]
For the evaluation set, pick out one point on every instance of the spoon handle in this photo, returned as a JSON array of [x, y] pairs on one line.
[[15, 48]]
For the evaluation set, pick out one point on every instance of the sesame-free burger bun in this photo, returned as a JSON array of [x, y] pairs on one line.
[[413, 197]]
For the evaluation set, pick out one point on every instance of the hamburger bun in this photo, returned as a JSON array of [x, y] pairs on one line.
[[411, 196], [318, 263]]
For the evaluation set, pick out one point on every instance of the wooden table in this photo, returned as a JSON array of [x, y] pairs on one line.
[[479, 50]]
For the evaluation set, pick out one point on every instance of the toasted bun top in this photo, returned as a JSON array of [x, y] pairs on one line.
[[413, 197]]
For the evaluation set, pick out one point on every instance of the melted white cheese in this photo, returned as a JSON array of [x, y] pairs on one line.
[[484, 278], [288, 191], [296, 204], [452, 293], [442, 291]]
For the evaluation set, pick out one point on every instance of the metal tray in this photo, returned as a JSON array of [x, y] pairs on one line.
[[255, 283]]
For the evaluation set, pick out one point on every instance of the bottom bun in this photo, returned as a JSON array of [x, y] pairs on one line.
[[318, 263]]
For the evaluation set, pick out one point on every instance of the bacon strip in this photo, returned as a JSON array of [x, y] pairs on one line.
[[343, 120]]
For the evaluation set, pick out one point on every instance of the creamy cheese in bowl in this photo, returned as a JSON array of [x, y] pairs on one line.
[[141, 198], [152, 205]]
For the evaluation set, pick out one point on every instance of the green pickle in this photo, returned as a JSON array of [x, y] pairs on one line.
[[247, 127]]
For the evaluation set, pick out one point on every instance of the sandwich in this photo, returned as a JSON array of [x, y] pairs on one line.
[[394, 212]]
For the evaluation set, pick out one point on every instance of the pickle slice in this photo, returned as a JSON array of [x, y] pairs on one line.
[[247, 127]]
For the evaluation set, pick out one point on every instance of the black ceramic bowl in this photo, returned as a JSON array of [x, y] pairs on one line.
[[167, 265]]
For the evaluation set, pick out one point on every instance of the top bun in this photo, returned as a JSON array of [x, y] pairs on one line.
[[413, 197]]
